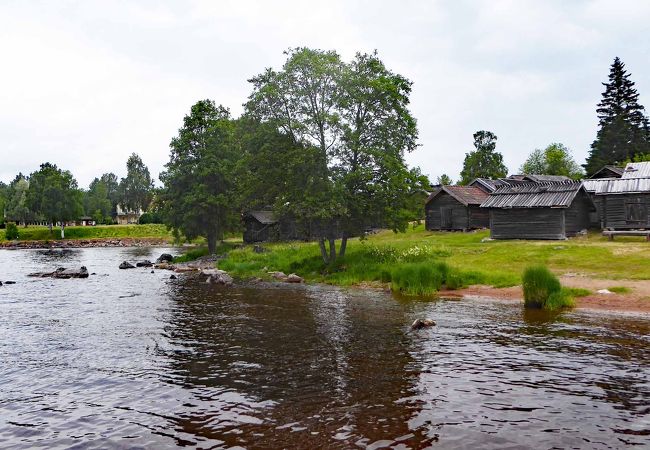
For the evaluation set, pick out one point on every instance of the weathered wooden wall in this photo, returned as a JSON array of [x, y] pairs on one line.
[[478, 217], [576, 216], [614, 214], [459, 213], [527, 223]]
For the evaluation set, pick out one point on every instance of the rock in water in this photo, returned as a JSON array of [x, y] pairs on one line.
[[216, 276], [165, 257], [61, 273], [10, 282], [422, 323], [126, 265], [293, 278], [145, 263], [0, 283], [172, 277]]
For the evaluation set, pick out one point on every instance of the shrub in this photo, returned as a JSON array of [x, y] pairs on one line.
[[150, 217], [542, 289], [419, 278], [11, 232]]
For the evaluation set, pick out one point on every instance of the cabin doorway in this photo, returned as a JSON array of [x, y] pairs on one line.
[[446, 218]]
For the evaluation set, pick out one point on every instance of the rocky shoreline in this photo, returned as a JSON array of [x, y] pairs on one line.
[[85, 243]]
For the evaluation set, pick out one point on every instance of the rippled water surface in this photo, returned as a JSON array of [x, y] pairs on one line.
[[133, 359]]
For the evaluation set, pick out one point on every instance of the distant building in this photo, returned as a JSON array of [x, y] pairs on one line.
[[544, 210], [125, 217], [623, 203], [608, 172], [457, 207]]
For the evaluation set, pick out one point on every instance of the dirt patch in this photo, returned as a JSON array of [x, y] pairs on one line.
[[637, 301]]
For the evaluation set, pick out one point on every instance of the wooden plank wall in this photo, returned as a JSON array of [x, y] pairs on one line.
[[444, 200], [614, 211], [527, 223], [577, 215]]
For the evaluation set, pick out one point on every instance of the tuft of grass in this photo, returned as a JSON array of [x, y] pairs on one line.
[[620, 289], [543, 290], [192, 255], [576, 292], [419, 278]]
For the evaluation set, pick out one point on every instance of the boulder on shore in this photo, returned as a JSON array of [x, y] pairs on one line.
[[62, 273], [145, 263], [165, 257], [281, 276], [293, 278], [216, 276], [422, 323], [126, 265]]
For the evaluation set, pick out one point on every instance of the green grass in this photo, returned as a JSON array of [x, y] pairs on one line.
[[39, 233], [422, 279], [472, 258], [191, 255], [542, 290], [576, 292], [620, 289]]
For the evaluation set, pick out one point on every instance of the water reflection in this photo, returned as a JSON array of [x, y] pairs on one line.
[[133, 359]]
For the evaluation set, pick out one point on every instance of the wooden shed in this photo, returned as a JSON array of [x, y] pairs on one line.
[[259, 226], [545, 210], [608, 172], [456, 208]]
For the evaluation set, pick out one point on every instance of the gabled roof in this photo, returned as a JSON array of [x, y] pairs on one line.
[[263, 216], [534, 195], [484, 184], [603, 186], [467, 195], [608, 172], [637, 170]]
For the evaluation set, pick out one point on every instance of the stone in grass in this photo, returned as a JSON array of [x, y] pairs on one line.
[[293, 278]]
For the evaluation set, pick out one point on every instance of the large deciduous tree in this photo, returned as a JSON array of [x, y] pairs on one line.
[[623, 126], [354, 118], [555, 159], [484, 161], [97, 201], [16, 208], [53, 194], [198, 197], [137, 187]]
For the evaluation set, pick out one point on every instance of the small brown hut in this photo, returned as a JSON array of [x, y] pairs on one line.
[[546, 210], [456, 208]]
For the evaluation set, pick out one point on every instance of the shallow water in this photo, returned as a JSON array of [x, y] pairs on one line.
[[131, 359]]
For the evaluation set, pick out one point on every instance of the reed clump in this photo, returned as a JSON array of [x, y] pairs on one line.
[[543, 290]]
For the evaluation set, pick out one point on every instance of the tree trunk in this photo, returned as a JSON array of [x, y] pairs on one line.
[[344, 244], [62, 230], [212, 242], [332, 250], [323, 251]]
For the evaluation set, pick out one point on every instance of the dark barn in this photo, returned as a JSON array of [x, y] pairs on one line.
[[608, 172], [539, 210], [623, 203], [260, 226], [456, 208], [264, 226]]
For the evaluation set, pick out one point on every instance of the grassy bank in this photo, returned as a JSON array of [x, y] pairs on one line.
[[475, 259], [38, 233]]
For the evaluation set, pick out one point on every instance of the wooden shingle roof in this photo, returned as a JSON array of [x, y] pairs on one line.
[[534, 195], [467, 195]]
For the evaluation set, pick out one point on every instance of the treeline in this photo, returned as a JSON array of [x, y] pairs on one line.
[[52, 195]]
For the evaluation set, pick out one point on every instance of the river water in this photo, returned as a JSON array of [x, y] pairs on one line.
[[132, 359]]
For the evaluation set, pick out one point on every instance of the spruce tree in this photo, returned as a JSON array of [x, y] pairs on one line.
[[623, 126]]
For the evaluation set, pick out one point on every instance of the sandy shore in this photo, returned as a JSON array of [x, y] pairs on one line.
[[636, 301]]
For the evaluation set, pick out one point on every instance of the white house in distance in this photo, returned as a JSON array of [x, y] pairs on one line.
[[127, 217]]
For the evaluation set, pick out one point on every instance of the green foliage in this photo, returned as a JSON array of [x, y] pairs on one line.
[[150, 217], [192, 255], [135, 190], [53, 195], [354, 119], [620, 289], [11, 232], [16, 207], [97, 202], [543, 290], [484, 161], [421, 279], [555, 159], [199, 195], [444, 180], [623, 126]]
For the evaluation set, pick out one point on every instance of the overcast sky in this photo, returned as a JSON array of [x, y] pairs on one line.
[[83, 84]]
